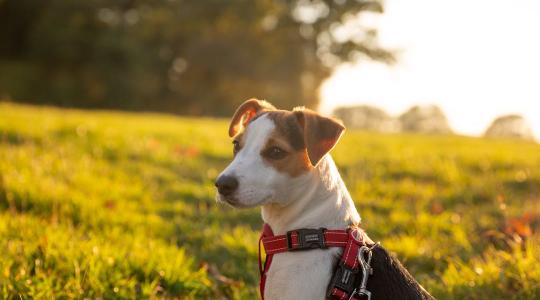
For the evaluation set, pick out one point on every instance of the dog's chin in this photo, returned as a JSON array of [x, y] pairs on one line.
[[233, 201]]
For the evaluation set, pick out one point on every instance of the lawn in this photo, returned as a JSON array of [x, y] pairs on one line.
[[97, 204]]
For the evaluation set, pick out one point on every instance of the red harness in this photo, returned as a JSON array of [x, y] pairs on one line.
[[345, 280]]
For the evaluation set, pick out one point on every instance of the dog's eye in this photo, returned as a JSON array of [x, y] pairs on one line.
[[275, 153], [236, 147]]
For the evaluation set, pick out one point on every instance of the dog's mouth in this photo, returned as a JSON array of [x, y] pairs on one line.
[[235, 202], [229, 200]]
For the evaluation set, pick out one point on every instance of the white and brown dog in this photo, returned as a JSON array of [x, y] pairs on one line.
[[281, 163]]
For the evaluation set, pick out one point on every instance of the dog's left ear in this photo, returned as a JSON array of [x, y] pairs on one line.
[[245, 112], [320, 133]]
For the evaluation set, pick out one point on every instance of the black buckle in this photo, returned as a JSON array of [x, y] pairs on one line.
[[344, 278], [307, 239]]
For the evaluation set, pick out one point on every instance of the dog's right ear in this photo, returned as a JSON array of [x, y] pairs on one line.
[[246, 112]]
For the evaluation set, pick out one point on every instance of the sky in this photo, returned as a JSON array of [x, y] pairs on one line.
[[476, 59]]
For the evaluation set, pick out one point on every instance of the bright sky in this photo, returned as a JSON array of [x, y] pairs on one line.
[[476, 59]]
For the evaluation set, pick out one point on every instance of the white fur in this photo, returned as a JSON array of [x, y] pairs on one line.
[[315, 199], [326, 203]]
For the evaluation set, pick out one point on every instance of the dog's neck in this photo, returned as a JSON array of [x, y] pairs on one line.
[[323, 201]]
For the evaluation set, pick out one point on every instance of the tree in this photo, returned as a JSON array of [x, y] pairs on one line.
[[510, 126], [367, 117], [425, 119], [188, 57]]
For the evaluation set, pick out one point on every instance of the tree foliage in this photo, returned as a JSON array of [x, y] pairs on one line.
[[189, 57]]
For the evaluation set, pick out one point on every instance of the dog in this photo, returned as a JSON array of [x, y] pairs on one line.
[[282, 163]]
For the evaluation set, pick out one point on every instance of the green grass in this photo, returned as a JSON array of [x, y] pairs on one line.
[[118, 205]]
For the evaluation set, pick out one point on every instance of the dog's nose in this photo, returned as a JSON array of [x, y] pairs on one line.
[[226, 185]]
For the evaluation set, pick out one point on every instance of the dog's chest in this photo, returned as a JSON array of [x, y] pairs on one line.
[[301, 275]]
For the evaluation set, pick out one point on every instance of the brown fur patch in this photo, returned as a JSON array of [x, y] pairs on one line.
[[295, 164], [287, 126], [288, 136]]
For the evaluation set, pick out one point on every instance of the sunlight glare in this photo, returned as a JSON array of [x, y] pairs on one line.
[[475, 59]]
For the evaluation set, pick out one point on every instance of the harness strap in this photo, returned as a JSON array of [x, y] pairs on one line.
[[263, 267], [344, 279]]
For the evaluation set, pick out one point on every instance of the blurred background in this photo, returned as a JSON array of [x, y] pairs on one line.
[[185, 57], [113, 127], [475, 61]]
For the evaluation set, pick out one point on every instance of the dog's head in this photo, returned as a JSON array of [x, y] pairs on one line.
[[274, 152]]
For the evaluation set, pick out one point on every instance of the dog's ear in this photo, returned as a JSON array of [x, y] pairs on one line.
[[245, 112], [320, 133]]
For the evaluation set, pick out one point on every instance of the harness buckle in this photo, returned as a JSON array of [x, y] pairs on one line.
[[307, 239], [345, 279]]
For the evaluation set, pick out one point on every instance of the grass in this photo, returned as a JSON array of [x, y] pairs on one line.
[[117, 205]]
